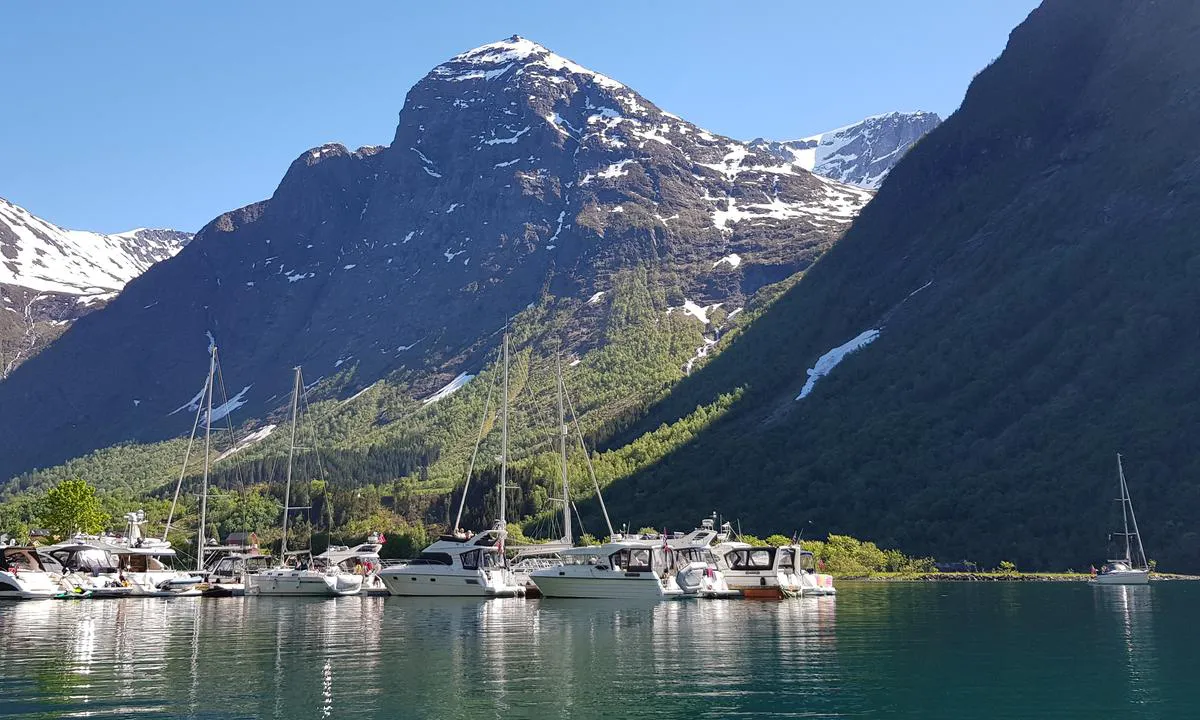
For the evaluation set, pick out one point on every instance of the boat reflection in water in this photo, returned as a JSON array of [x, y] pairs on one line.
[[1132, 608]]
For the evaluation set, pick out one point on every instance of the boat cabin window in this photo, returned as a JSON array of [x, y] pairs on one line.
[[573, 559], [787, 558], [433, 558], [805, 560], [141, 563], [693, 554], [751, 559], [229, 567], [631, 560], [258, 563], [470, 560]]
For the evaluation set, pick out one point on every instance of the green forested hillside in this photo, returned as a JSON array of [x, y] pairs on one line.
[[385, 460], [1033, 268]]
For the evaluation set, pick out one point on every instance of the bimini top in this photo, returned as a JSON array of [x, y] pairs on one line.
[[488, 541]]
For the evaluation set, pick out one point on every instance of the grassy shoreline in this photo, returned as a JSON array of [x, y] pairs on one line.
[[997, 576]]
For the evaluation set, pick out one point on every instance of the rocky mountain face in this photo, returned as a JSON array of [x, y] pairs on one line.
[[1015, 307], [50, 277], [861, 153], [515, 178]]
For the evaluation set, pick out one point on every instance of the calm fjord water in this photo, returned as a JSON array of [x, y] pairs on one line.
[[877, 650]]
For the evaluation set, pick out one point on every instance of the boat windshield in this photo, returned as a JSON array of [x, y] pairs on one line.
[[632, 560], [751, 559], [20, 559], [693, 554]]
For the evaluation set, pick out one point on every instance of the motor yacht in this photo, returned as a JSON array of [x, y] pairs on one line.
[[697, 568], [618, 569], [460, 563], [228, 568], [362, 559], [457, 565], [307, 576], [24, 574], [761, 572]]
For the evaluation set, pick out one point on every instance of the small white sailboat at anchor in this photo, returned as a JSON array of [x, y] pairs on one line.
[[311, 577], [1132, 568]]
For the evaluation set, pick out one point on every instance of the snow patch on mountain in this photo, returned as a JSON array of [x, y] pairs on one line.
[[827, 362], [449, 389]]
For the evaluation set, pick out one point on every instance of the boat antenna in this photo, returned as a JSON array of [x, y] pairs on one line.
[[588, 458], [287, 490], [487, 404]]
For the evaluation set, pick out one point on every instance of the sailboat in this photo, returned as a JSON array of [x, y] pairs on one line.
[[529, 558], [459, 564], [1132, 568], [305, 578]]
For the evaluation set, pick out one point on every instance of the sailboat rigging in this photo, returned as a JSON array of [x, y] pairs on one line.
[[310, 578], [1132, 568]]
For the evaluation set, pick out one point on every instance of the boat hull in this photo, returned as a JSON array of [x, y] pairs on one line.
[[609, 585], [302, 583], [1123, 577], [27, 585], [411, 582]]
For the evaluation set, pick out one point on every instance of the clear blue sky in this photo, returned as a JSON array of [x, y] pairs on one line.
[[165, 114]]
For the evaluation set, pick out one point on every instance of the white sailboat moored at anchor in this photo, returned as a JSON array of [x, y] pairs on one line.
[[306, 576], [1132, 568]]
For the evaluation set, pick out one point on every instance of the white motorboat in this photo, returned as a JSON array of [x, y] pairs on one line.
[[456, 565], [133, 565], [306, 577], [619, 569], [1131, 568], [460, 564], [697, 569], [24, 575], [228, 568], [761, 572], [362, 559]]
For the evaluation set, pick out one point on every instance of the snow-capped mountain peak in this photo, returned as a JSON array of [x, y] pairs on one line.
[[861, 153], [44, 257], [498, 58]]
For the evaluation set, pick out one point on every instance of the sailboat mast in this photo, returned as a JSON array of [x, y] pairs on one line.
[[212, 367], [562, 447], [287, 489], [1132, 518], [504, 444], [1124, 509]]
